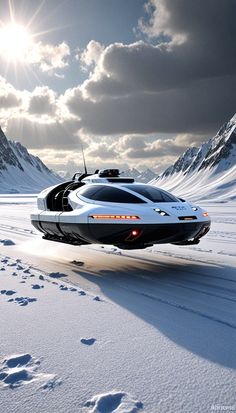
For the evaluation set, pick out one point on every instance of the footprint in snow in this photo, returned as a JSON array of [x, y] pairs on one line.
[[18, 360], [63, 288], [88, 341], [117, 402], [27, 271], [18, 370], [79, 263], [57, 275], [22, 301], [14, 274], [19, 267], [8, 292], [37, 286], [72, 289], [4, 260], [97, 298], [3, 269], [7, 242]]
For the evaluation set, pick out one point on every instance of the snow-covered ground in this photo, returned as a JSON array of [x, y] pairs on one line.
[[99, 330]]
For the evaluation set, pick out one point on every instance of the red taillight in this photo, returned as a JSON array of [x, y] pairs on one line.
[[133, 235], [103, 216]]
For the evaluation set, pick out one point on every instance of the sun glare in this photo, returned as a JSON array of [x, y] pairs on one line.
[[14, 41]]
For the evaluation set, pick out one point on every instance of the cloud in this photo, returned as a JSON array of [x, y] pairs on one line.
[[42, 125], [63, 160], [142, 147], [179, 81], [101, 151], [182, 85], [38, 135], [201, 108], [194, 21], [48, 57], [91, 54], [9, 96], [42, 101], [38, 119]]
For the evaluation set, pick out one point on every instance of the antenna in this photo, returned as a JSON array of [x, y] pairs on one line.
[[85, 167]]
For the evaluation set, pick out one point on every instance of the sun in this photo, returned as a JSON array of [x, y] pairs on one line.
[[14, 42]]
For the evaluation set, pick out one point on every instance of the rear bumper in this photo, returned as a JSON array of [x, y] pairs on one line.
[[121, 234]]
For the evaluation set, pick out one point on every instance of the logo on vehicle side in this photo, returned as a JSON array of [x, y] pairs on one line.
[[179, 208]]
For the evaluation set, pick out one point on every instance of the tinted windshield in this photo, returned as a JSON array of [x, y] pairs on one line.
[[109, 194], [152, 193]]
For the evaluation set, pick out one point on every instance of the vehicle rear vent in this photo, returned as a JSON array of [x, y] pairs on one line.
[[121, 180], [187, 218]]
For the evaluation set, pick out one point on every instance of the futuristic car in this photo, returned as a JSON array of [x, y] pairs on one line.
[[106, 208]]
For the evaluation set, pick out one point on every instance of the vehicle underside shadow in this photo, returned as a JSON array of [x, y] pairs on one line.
[[193, 304]]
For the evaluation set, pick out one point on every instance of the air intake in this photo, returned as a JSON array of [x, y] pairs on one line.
[[188, 218]]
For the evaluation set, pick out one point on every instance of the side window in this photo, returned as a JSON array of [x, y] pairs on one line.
[[168, 198], [152, 193], [109, 194], [90, 191]]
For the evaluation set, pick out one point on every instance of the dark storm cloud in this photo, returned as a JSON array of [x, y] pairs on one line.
[[182, 86], [199, 108]]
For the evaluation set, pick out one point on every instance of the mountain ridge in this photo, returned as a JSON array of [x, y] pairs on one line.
[[144, 176], [20, 171], [210, 169]]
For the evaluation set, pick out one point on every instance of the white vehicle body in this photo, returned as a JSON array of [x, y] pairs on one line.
[[107, 209]]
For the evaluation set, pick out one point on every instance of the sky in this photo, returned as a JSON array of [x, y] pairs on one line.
[[136, 82]]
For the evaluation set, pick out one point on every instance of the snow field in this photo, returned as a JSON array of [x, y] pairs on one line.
[[100, 330]]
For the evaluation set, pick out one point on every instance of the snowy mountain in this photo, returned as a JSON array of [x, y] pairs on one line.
[[208, 172], [144, 176], [21, 172]]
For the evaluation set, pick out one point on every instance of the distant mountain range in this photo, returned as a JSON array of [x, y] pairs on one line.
[[21, 172], [144, 176], [207, 172]]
